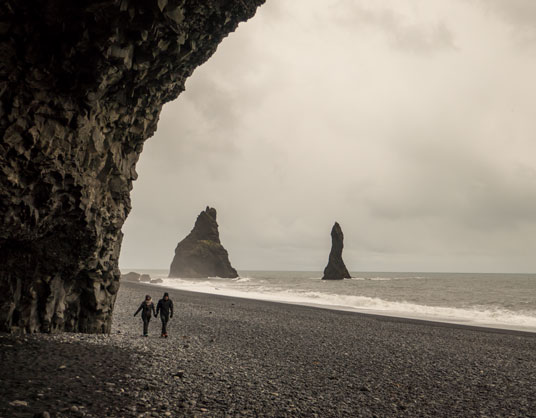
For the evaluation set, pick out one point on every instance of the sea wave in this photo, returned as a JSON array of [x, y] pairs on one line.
[[382, 278], [241, 279], [498, 317]]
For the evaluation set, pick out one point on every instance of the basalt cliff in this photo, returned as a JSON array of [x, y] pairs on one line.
[[82, 84], [201, 254], [336, 270]]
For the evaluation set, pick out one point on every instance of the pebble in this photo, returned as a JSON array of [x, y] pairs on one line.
[[274, 360], [18, 403]]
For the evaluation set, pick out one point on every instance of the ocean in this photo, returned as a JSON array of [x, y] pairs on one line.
[[492, 300]]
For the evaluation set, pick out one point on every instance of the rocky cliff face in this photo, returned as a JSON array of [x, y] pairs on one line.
[[82, 84], [336, 270], [201, 254]]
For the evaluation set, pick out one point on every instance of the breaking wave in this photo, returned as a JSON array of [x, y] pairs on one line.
[[497, 317]]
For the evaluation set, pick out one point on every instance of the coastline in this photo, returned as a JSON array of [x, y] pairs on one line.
[[381, 316], [231, 356]]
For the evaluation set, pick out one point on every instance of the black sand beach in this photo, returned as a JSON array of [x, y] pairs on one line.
[[238, 357]]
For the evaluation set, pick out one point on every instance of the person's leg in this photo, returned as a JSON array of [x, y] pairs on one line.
[[165, 319], [145, 326]]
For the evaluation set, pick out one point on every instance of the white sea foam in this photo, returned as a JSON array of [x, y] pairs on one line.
[[241, 279], [386, 279], [483, 316]]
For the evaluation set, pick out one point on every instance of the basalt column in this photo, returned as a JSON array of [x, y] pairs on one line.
[[201, 253], [336, 270], [82, 84]]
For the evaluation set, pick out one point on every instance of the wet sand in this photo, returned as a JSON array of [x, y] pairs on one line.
[[239, 357]]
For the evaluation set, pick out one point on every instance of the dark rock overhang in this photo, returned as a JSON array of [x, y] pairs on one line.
[[82, 84]]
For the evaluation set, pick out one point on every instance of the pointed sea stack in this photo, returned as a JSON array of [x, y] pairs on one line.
[[201, 254], [336, 270]]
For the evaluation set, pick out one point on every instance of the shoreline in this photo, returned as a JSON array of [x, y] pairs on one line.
[[236, 357], [381, 316]]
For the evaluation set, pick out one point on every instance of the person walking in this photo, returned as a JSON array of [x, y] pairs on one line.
[[165, 307], [146, 307]]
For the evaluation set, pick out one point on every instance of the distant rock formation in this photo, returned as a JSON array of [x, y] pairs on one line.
[[131, 277], [336, 270], [137, 278], [145, 278], [201, 254]]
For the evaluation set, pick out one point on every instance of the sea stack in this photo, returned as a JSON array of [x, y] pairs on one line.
[[201, 254], [336, 270]]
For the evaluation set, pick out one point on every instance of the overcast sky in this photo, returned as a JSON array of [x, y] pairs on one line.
[[410, 122]]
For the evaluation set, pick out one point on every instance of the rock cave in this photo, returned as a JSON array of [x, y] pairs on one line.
[[82, 85]]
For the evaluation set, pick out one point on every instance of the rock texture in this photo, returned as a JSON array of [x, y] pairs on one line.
[[145, 278], [201, 254], [336, 270], [82, 84], [131, 277]]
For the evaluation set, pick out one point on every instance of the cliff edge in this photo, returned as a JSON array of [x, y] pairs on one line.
[[82, 84]]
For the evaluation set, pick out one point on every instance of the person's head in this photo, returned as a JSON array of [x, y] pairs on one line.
[[166, 296], [147, 298]]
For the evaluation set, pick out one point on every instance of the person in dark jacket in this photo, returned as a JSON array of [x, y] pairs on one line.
[[165, 307], [146, 307]]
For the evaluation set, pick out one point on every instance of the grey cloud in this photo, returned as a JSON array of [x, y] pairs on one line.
[[213, 102], [299, 120], [201, 127], [519, 14], [437, 180], [402, 34]]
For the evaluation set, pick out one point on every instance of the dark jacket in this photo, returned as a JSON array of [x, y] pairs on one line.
[[165, 307], [146, 309]]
